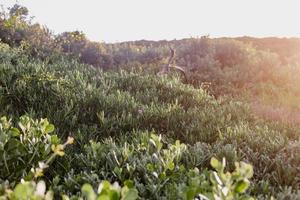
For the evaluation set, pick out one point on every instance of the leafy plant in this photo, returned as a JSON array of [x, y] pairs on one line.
[[21, 149], [111, 192], [233, 185], [221, 185]]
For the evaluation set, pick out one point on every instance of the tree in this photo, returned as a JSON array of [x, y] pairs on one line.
[[14, 24]]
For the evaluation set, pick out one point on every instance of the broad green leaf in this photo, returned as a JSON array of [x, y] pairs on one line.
[[113, 195], [49, 195], [241, 186], [129, 194], [190, 193], [103, 197], [215, 163], [129, 184], [15, 132], [88, 191], [23, 191], [54, 139], [49, 128], [171, 166]]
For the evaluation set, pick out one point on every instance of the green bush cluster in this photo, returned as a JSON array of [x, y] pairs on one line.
[[155, 170], [241, 102], [258, 68], [21, 149], [118, 110]]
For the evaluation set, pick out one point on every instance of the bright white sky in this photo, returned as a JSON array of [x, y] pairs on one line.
[[123, 20]]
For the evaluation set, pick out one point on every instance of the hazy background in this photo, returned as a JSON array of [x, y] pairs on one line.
[[120, 20]]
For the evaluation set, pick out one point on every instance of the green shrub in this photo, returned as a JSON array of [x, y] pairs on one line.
[[119, 109], [223, 185], [21, 149]]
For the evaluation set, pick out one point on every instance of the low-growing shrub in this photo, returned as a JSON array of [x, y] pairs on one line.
[[22, 148], [114, 108]]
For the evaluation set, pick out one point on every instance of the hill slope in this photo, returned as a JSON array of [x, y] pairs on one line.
[[116, 116]]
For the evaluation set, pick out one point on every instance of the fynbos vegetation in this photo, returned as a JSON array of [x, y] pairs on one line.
[[229, 131]]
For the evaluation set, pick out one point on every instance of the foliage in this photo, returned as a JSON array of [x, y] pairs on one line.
[[112, 192], [21, 149], [241, 102], [224, 186], [256, 67], [161, 169], [32, 190], [124, 106], [230, 186]]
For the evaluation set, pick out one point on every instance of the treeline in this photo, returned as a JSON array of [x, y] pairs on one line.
[[227, 65], [17, 28], [285, 48]]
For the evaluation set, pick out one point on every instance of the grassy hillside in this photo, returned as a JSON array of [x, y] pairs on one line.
[[117, 118], [87, 120]]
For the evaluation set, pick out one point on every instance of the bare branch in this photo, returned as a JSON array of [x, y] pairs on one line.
[[165, 69]]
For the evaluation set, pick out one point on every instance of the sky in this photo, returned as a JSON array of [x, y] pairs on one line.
[[124, 20]]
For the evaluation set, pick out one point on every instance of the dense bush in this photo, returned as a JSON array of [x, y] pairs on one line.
[[23, 149], [154, 169], [257, 67], [118, 109], [240, 103]]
